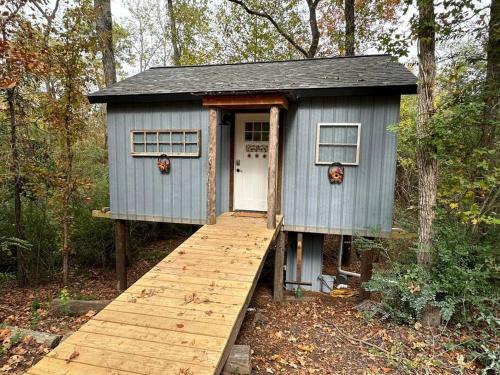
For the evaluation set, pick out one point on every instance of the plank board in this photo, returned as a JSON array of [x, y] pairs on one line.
[[182, 316]]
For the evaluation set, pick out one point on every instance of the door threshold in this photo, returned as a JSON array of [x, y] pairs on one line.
[[256, 214]]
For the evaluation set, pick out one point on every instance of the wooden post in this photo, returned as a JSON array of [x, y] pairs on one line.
[[366, 271], [273, 165], [121, 253], [299, 258], [279, 262], [211, 165]]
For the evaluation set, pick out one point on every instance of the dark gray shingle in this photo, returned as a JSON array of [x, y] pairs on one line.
[[283, 76]]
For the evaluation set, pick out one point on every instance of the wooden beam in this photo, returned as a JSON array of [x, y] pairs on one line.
[[272, 167], [212, 162], [245, 101], [367, 257], [299, 258], [121, 253], [279, 262], [101, 214]]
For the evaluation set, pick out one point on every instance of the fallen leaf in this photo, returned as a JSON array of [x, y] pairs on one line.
[[72, 356]]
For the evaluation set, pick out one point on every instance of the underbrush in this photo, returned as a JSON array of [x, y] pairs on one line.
[[463, 283]]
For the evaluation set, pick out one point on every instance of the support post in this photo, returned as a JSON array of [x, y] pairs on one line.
[[279, 262], [367, 257], [299, 258], [121, 253], [212, 162], [273, 166]]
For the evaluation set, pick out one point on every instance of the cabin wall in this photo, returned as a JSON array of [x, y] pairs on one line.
[[138, 191], [312, 261], [362, 204]]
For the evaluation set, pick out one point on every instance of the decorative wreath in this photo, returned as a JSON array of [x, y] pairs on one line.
[[336, 173], [163, 163]]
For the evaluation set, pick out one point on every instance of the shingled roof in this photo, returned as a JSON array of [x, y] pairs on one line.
[[293, 77]]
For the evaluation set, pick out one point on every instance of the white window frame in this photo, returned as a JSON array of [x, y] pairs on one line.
[[333, 125], [182, 154]]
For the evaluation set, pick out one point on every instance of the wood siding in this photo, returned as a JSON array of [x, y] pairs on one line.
[[138, 191], [362, 204]]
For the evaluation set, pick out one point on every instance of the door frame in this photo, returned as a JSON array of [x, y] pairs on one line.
[[232, 156]]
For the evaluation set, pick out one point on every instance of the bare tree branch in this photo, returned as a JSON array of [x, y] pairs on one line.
[[315, 32]]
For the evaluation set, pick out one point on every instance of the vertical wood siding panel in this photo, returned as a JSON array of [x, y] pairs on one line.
[[112, 118], [312, 262], [364, 201]]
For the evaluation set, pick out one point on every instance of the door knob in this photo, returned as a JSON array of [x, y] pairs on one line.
[[238, 170]]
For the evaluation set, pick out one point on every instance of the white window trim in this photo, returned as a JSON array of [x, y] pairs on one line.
[[170, 154], [338, 124]]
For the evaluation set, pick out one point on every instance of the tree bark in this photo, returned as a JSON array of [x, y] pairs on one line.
[[17, 182], [68, 190], [104, 29], [492, 96], [426, 161], [174, 37], [350, 27]]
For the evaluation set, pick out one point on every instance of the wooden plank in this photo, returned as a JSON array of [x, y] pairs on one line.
[[154, 335], [245, 101], [182, 315], [121, 253], [211, 166], [101, 214], [272, 167], [279, 262]]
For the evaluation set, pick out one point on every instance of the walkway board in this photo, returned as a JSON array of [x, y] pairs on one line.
[[181, 317]]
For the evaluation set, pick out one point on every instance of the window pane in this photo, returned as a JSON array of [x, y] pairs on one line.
[[139, 147], [248, 136], [164, 137], [326, 134], [151, 137], [341, 154], [265, 126], [177, 148], [191, 137], [151, 147], [248, 126], [352, 134], [165, 147], [257, 126], [138, 137], [256, 136], [191, 148], [177, 137], [265, 136]]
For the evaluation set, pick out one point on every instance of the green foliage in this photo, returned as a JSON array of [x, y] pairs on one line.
[[63, 300], [463, 281]]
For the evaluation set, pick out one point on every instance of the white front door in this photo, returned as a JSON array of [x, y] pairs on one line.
[[251, 146]]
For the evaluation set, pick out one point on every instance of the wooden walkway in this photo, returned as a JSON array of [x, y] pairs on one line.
[[180, 318]]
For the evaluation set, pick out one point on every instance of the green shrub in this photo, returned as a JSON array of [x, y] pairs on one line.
[[463, 281]]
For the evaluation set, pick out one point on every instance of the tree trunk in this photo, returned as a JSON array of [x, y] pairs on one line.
[[350, 27], [313, 24], [104, 29], [19, 253], [68, 191], [174, 36], [492, 96], [426, 162]]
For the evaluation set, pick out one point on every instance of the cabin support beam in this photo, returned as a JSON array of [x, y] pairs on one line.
[[272, 166], [279, 263], [211, 165], [367, 257], [121, 234]]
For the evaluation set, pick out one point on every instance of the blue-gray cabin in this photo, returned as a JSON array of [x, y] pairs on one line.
[[188, 143]]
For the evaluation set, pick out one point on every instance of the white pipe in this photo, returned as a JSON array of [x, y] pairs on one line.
[[339, 260]]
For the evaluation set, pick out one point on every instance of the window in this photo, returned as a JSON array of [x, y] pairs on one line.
[[256, 131], [338, 142], [180, 143]]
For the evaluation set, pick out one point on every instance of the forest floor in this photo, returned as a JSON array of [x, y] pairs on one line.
[[318, 334]]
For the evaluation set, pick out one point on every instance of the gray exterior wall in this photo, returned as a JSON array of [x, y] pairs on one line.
[[137, 190], [312, 262], [362, 204]]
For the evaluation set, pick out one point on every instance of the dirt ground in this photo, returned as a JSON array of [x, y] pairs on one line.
[[318, 334]]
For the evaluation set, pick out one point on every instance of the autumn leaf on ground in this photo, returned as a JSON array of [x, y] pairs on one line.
[[306, 348], [72, 356]]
